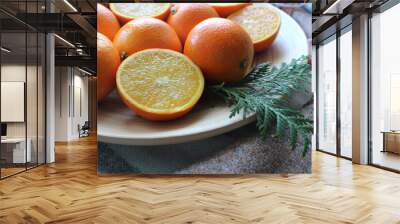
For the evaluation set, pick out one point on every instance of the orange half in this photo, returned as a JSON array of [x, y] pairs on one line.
[[159, 84], [225, 9], [129, 11], [262, 21]]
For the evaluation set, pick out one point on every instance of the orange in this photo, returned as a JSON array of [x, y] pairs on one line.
[[107, 23], [184, 16], [261, 21], [129, 11], [145, 33], [107, 65], [225, 9], [221, 48], [159, 84]]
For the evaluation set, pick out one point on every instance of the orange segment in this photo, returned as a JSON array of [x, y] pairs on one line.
[[129, 11], [261, 21], [225, 9], [159, 84]]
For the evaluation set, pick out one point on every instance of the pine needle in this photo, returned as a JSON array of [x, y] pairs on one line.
[[264, 91]]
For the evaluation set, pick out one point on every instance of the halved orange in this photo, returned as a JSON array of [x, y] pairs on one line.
[[126, 12], [225, 9], [159, 84], [262, 21]]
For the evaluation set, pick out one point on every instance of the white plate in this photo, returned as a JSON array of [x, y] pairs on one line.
[[117, 124]]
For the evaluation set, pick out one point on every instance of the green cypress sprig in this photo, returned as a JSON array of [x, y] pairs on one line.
[[264, 92]]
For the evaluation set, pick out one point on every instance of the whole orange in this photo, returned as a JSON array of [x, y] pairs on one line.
[[145, 33], [221, 48], [107, 65], [107, 23], [184, 16]]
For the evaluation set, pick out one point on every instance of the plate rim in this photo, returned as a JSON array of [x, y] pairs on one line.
[[143, 141]]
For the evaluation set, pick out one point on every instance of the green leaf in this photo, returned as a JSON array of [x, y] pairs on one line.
[[264, 91]]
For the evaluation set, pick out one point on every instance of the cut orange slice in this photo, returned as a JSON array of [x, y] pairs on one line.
[[159, 84], [261, 21], [126, 12], [225, 9]]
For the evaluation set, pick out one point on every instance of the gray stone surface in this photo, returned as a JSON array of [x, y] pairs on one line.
[[241, 151]]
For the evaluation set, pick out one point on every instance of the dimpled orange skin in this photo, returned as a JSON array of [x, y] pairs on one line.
[[226, 10], [107, 23], [221, 48], [146, 33], [107, 65], [185, 16]]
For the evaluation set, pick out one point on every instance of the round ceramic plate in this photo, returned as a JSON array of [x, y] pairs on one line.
[[119, 125]]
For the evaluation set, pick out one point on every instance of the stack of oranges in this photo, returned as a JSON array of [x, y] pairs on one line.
[[159, 56]]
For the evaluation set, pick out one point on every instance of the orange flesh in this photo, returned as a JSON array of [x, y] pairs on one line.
[[159, 83], [139, 10], [262, 22]]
